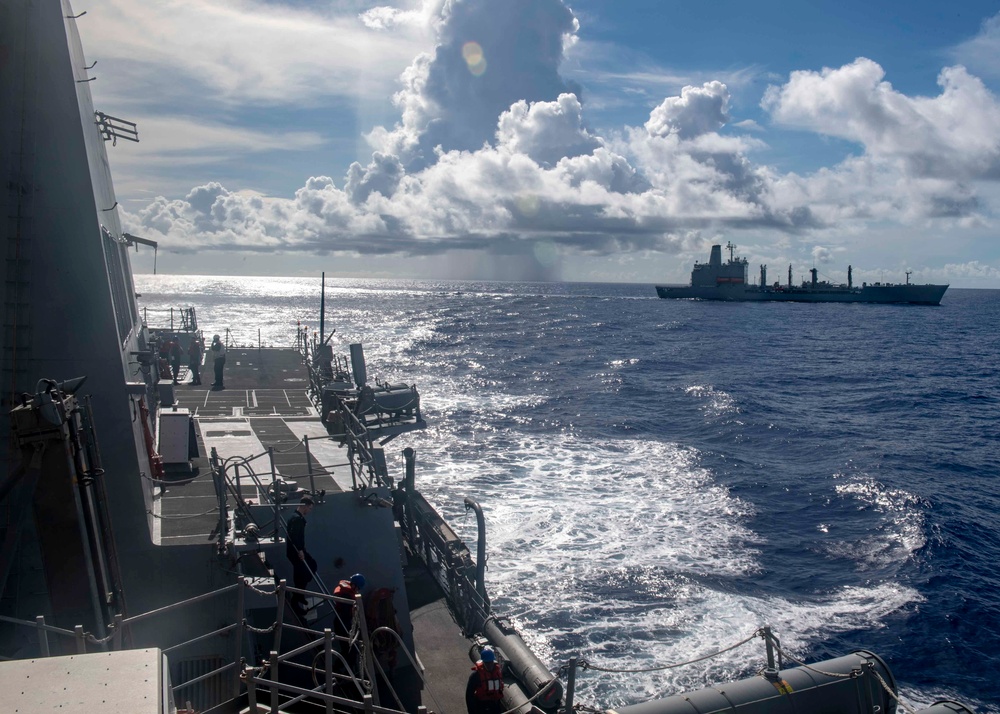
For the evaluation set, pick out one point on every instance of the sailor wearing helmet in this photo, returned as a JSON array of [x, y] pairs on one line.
[[484, 691]]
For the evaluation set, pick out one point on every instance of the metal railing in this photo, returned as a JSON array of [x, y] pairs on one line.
[[447, 558], [231, 473], [183, 319], [356, 636], [87, 642]]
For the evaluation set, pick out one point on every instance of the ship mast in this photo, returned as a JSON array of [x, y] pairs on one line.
[[731, 248]]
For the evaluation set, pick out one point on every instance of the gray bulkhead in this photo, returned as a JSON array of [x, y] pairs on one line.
[[70, 311]]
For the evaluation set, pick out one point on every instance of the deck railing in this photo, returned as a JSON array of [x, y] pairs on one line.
[[183, 319], [235, 668]]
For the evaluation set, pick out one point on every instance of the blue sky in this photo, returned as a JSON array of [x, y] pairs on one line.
[[543, 139]]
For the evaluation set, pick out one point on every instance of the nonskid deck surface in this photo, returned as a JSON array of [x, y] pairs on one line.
[[265, 404], [245, 419]]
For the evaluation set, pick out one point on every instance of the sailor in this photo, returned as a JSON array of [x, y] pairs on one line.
[[194, 360], [174, 351], [219, 358], [344, 620], [303, 564], [347, 589], [485, 688]]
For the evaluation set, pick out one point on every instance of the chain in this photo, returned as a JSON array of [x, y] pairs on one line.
[[259, 631], [94, 641], [265, 593]]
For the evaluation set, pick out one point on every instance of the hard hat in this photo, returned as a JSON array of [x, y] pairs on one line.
[[487, 655], [358, 580]]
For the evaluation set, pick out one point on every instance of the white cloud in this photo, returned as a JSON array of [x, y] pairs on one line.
[[955, 135], [699, 110], [982, 52], [546, 131], [249, 51], [493, 152], [448, 102]]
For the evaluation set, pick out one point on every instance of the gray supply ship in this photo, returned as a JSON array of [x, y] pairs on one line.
[[143, 517], [717, 281]]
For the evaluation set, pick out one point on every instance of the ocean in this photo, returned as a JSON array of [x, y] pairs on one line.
[[661, 478]]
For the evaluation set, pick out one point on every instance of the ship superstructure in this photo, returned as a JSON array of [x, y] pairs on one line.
[[716, 280]]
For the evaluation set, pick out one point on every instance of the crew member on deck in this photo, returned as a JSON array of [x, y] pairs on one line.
[[194, 360], [345, 613], [219, 357], [485, 688], [174, 351], [344, 619], [303, 564]]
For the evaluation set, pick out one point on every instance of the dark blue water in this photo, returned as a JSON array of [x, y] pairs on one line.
[[662, 477]]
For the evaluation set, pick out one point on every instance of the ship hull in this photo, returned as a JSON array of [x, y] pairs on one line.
[[884, 294]]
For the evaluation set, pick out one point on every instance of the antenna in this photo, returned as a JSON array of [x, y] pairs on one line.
[[322, 306]]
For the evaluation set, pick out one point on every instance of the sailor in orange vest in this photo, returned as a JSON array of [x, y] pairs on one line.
[[485, 688], [345, 613]]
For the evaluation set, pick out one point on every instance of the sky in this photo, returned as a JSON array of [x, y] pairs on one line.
[[580, 140]]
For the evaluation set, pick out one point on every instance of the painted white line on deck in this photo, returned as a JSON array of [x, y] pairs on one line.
[[254, 395], [324, 451], [246, 445], [285, 392]]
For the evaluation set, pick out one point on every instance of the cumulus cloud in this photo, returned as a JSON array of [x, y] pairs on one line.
[[954, 135], [489, 56], [982, 52], [492, 152], [699, 110], [546, 131]]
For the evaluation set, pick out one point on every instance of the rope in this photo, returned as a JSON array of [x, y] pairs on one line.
[[587, 665], [885, 685], [811, 669], [891, 693]]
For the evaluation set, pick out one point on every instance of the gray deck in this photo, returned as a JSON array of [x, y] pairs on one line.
[[265, 405]]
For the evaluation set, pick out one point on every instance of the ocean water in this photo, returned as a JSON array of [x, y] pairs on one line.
[[660, 478]]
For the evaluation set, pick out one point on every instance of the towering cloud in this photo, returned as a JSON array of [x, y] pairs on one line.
[[489, 56], [492, 151]]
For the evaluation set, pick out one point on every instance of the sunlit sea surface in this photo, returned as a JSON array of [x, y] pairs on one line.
[[660, 478]]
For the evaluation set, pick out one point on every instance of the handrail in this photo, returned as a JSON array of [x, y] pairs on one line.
[[182, 603], [187, 315], [38, 626]]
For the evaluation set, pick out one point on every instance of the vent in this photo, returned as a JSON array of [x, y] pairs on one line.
[[207, 693]]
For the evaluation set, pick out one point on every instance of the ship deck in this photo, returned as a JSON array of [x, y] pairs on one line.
[[264, 405]]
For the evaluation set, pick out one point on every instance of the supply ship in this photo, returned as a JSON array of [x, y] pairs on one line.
[[143, 517], [717, 281]]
